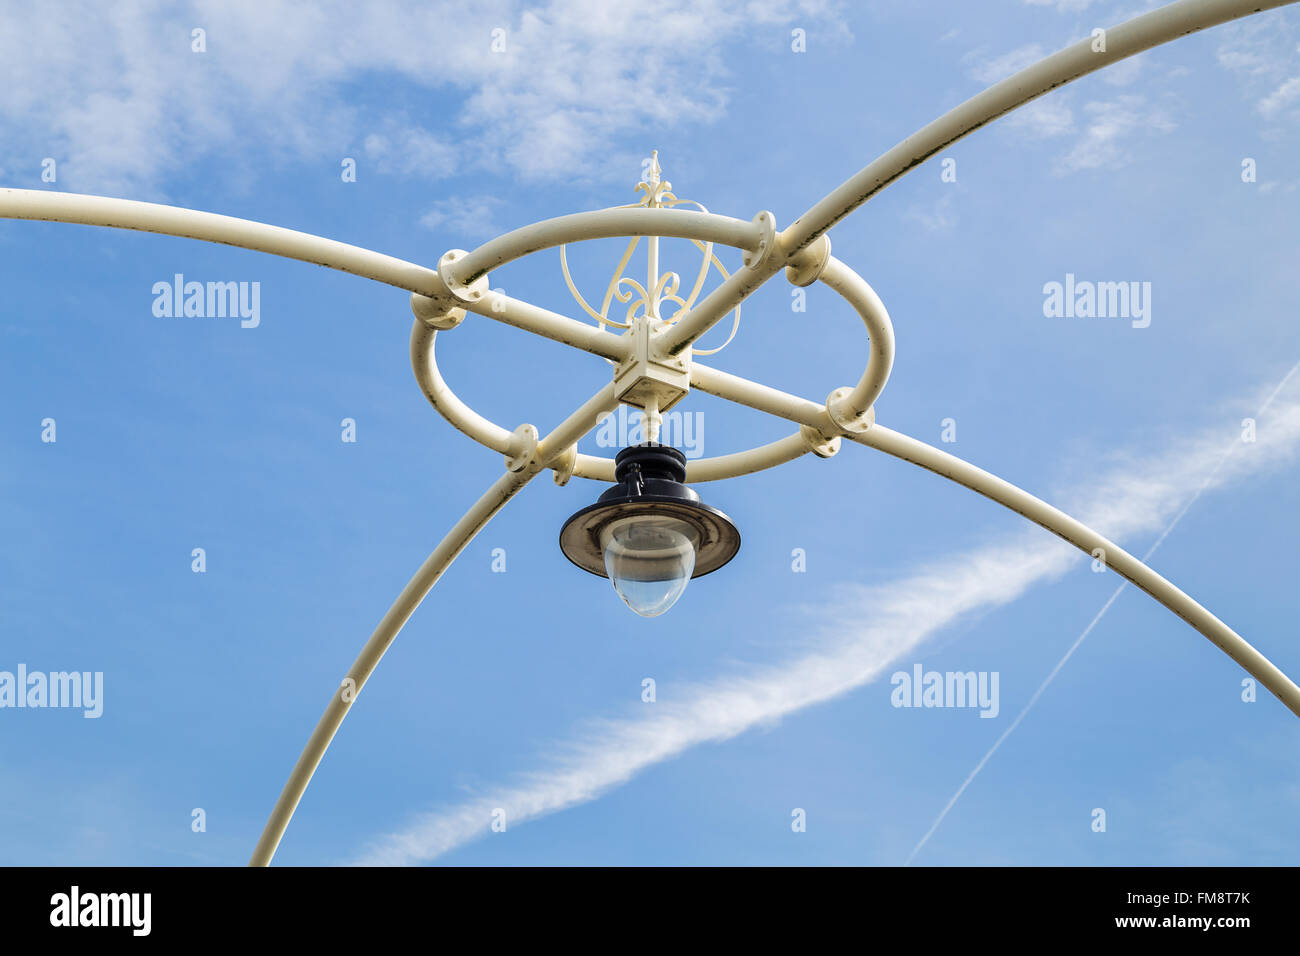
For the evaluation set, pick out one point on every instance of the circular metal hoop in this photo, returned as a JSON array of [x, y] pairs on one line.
[[852, 404]]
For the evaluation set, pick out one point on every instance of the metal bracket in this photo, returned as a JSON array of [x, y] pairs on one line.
[[563, 465], [806, 265], [647, 374], [819, 444], [462, 293], [436, 313], [523, 445], [767, 244], [854, 425]]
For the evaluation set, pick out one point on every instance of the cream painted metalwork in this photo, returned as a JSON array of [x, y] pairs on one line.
[[653, 357]]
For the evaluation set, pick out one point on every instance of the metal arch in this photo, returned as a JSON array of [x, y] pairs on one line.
[[1085, 539], [1023, 503], [1129, 38], [797, 249], [613, 223], [493, 500], [42, 205]]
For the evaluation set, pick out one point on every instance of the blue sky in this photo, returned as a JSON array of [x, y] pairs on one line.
[[523, 689]]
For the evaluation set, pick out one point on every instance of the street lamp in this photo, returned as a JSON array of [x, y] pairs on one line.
[[650, 534]]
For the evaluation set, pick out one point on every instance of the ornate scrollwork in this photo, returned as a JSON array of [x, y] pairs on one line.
[[641, 302]]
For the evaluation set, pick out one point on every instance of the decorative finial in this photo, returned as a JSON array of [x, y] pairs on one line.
[[644, 301]]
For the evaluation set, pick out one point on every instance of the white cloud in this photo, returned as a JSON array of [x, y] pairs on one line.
[[936, 216], [115, 92], [1123, 73], [470, 216], [1258, 47], [1242, 61], [1112, 127], [878, 625], [1043, 118], [1063, 6], [408, 150], [1283, 96], [1262, 56], [1000, 67]]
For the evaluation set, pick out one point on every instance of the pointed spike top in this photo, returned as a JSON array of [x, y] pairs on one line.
[[655, 169]]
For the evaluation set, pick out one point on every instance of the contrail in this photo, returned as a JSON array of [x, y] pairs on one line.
[[1232, 448], [883, 623]]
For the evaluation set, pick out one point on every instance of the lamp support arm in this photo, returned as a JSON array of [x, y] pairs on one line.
[[520, 469], [1101, 49], [1085, 539]]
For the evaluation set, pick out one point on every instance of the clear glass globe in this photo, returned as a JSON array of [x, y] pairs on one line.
[[650, 560]]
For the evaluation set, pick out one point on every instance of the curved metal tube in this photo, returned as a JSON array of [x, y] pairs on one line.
[[1088, 541], [880, 331], [594, 467], [488, 433], [551, 325], [191, 224], [1131, 37], [747, 462], [763, 398], [717, 468], [492, 435], [801, 410], [1127, 39], [715, 306], [444, 400], [619, 221], [493, 500]]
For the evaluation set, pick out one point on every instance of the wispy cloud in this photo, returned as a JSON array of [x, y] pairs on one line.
[[1233, 447], [119, 96], [404, 148], [1139, 494], [1263, 48], [1064, 6], [1285, 95], [470, 216], [1112, 128], [1043, 118], [990, 70], [1262, 56]]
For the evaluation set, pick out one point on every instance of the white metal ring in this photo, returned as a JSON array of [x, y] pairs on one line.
[[855, 403]]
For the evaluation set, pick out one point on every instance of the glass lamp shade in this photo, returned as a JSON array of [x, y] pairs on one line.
[[650, 533], [650, 559]]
